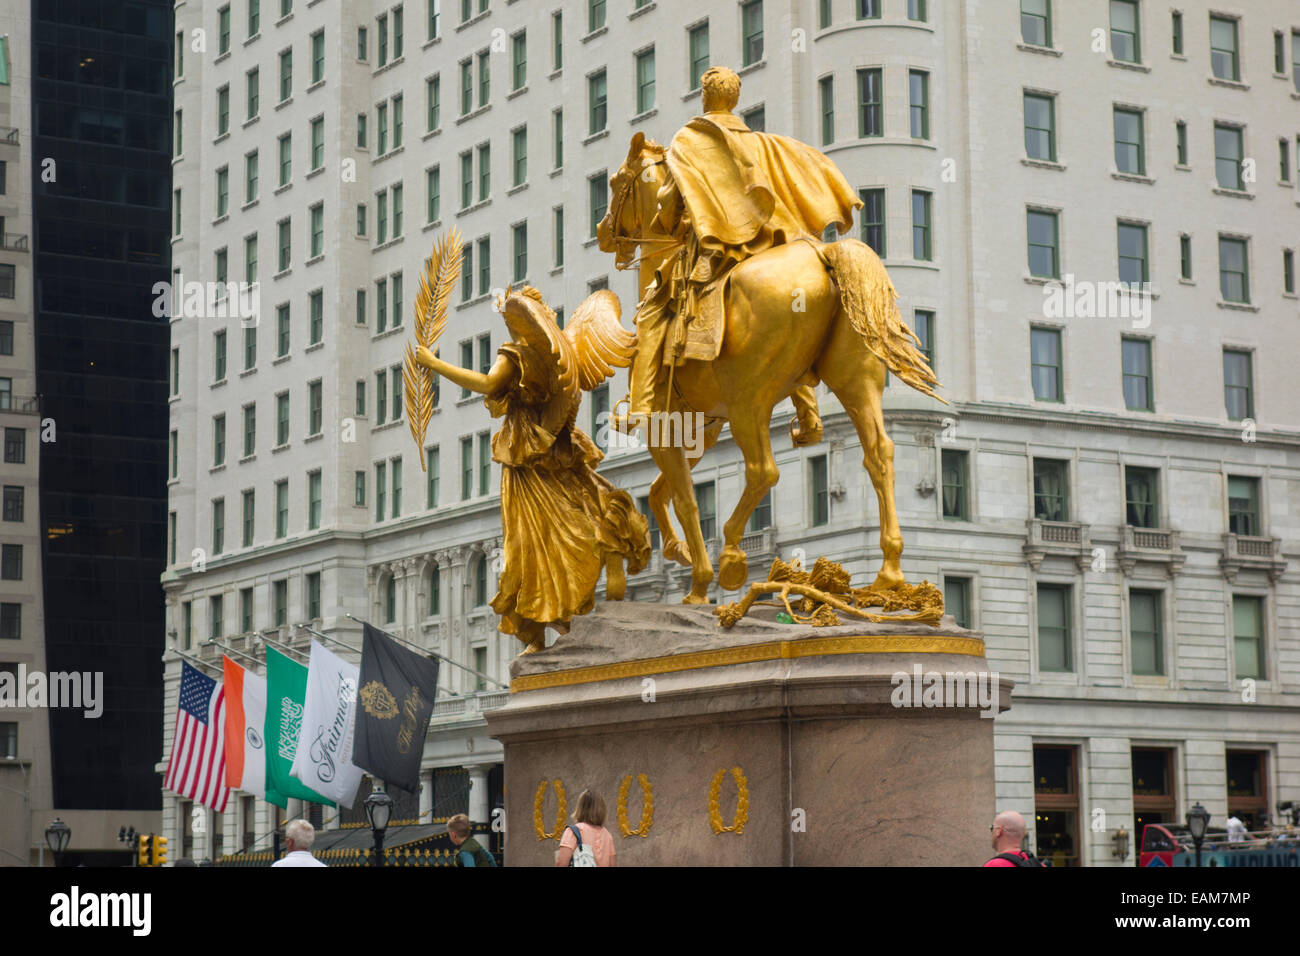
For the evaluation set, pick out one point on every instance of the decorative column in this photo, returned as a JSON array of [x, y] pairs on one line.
[[426, 796], [478, 797]]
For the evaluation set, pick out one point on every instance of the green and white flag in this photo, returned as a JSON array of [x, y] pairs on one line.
[[286, 691]]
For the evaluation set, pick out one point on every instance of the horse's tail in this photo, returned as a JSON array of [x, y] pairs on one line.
[[871, 303]]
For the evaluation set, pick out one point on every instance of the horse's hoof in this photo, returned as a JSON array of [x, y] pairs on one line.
[[733, 569], [695, 599], [801, 436], [679, 552]]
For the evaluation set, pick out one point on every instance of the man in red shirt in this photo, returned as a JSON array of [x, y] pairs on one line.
[[1008, 831]]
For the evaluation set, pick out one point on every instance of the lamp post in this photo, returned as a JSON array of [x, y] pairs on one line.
[[379, 807], [1198, 818], [57, 836]]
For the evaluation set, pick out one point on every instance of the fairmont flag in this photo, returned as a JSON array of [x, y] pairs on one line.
[[245, 726], [396, 700], [286, 686], [324, 758], [197, 768]]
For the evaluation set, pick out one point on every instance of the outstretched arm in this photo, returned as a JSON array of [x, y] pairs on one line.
[[499, 376]]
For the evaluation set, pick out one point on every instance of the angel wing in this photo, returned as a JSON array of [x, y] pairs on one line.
[[600, 343]]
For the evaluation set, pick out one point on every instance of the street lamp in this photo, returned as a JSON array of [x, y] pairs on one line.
[[57, 836], [1198, 818], [379, 807]]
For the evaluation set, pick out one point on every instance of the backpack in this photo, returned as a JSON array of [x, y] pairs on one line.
[[582, 855], [475, 849], [1017, 860]]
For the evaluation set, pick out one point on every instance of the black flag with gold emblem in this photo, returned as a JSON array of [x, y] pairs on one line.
[[394, 701]]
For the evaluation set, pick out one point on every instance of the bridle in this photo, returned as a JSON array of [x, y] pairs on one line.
[[621, 196]]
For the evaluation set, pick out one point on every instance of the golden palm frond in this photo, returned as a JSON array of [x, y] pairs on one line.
[[441, 270]]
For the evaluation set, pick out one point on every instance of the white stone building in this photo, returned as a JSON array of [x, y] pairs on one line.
[[1113, 495]]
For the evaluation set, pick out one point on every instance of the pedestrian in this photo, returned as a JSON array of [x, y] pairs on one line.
[[1008, 829], [586, 842], [299, 835], [1237, 830], [469, 852]]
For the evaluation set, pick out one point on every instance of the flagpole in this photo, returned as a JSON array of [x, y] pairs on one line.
[[326, 637], [201, 663], [217, 643], [441, 657], [291, 650]]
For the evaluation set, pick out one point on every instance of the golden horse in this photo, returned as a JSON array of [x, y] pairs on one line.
[[794, 315]]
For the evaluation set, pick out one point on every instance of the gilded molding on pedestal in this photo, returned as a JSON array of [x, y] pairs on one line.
[[755, 653], [561, 806], [647, 807], [742, 802]]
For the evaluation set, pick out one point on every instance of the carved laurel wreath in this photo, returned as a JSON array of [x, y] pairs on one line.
[[742, 802], [647, 807], [538, 825]]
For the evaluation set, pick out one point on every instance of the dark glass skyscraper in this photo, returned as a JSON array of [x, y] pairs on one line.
[[101, 116]]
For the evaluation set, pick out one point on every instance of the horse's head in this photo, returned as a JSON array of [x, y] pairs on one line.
[[632, 216]]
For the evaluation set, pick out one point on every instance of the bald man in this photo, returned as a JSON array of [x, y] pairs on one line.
[[1008, 831]]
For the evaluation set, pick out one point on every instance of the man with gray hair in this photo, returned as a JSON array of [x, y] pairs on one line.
[[299, 835], [1008, 829]]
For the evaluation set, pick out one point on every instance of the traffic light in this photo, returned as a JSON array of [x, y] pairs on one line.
[[159, 850], [143, 857]]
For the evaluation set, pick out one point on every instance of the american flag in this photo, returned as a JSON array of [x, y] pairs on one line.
[[198, 765]]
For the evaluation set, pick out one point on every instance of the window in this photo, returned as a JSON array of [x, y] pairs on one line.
[[173, 444], [956, 600], [381, 125], [381, 490], [359, 488], [13, 503], [398, 32], [819, 484], [751, 32], [1054, 647], [1153, 792], [218, 440], [873, 219], [466, 282], [433, 102], [1036, 22], [466, 468], [398, 101], [318, 56], [1136, 361], [1185, 257], [1248, 788], [466, 180], [219, 356], [1227, 156], [1248, 636], [1045, 364], [706, 501], [761, 517], [434, 8], [916, 10], [921, 246], [250, 430], [16, 447], [314, 408], [1223, 49], [282, 419], [223, 110], [381, 396], [1141, 497], [317, 226], [282, 330], [1243, 506], [396, 194], [755, 119], [1177, 29], [11, 562], [11, 622], [250, 177], [1295, 59], [176, 228], [395, 468], [381, 221], [381, 29], [286, 75], [433, 194], [363, 44], [598, 200], [484, 79], [466, 86], [1040, 127], [518, 60], [484, 171], [1132, 244], [484, 266], [395, 376], [223, 191], [923, 326], [254, 17], [557, 41], [870, 103], [1238, 389], [1234, 270], [519, 156], [280, 603], [432, 468], [826, 98], [1284, 160], [520, 240], [1051, 489], [645, 80], [557, 138], [557, 239], [919, 92], [868, 9], [180, 55], [286, 158], [1288, 271], [1125, 41], [597, 108], [595, 15], [1180, 129], [956, 484], [697, 45], [317, 143], [1044, 251], [1130, 153], [218, 525]]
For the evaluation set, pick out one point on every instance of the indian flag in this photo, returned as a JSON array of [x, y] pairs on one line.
[[245, 718]]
